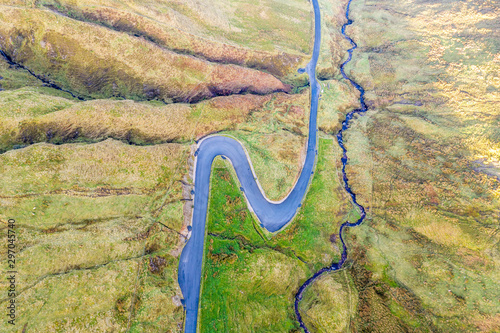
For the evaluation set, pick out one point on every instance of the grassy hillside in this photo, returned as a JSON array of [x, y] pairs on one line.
[[423, 161], [95, 167], [87, 244], [100, 106], [429, 254]]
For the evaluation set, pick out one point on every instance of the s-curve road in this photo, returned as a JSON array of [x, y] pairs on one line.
[[272, 215]]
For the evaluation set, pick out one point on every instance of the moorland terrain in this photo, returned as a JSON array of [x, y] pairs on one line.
[[101, 103]]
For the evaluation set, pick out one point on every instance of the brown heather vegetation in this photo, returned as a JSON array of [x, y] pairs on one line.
[[276, 121], [129, 121], [431, 77], [95, 62]]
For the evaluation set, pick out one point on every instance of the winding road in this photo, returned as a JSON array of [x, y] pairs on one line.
[[272, 216]]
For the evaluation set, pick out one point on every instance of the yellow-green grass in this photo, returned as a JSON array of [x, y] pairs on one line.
[[274, 36], [273, 24], [276, 158], [29, 117], [333, 45], [81, 300], [256, 40], [87, 231], [43, 168], [15, 78], [69, 235], [94, 62], [28, 101], [337, 99], [275, 139], [12, 78], [429, 71], [157, 302], [430, 263], [432, 229], [255, 120], [431, 88], [244, 265], [275, 136], [330, 303], [101, 299], [282, 24]]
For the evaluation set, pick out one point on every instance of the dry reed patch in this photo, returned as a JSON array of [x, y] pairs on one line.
[[446, 233], [427, 128], [488, 324]]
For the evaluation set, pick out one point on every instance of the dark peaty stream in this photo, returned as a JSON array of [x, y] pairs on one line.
[[340, 139]]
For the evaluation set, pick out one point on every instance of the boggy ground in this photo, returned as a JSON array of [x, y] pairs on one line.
[[250, 276], [427, 258], [423, 161]]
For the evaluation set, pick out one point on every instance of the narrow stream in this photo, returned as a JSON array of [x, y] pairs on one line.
[[340, 138], [45, 81]]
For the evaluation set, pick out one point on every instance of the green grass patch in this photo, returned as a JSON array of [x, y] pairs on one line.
[[249, 280]]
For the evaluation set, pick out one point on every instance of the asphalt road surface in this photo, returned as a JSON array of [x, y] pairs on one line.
[[272, 215]]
